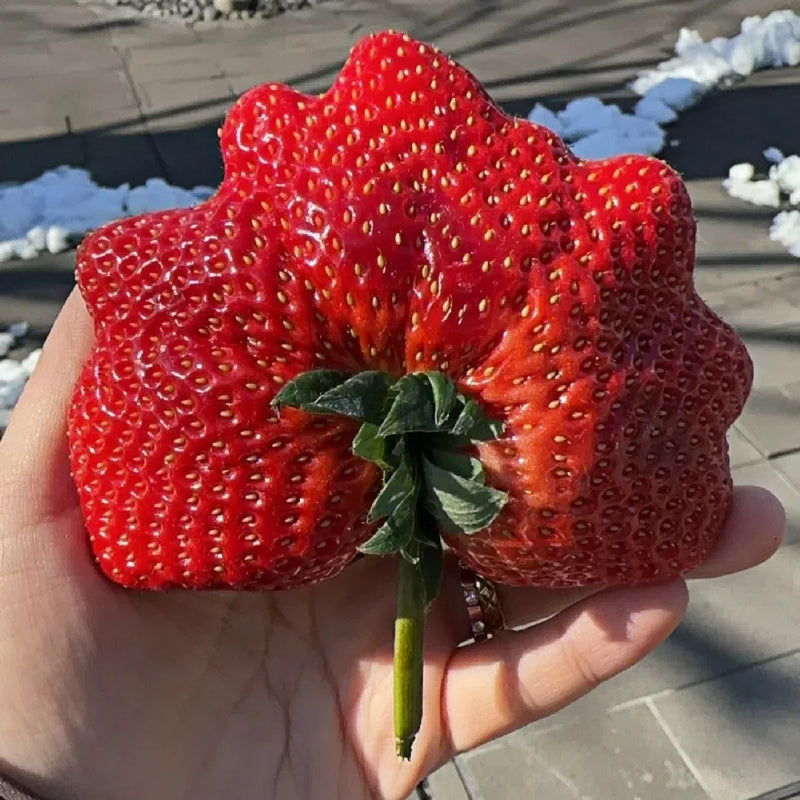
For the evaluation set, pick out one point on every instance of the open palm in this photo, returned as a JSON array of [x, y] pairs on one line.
[[114, 694]]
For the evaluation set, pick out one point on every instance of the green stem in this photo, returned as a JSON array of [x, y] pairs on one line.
[[409, 634]]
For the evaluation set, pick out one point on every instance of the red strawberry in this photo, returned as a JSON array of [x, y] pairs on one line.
[[402, 225]]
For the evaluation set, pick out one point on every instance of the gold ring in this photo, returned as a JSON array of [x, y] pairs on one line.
[[483, 605]]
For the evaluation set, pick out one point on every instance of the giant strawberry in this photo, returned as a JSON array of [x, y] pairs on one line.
[[404, 314]]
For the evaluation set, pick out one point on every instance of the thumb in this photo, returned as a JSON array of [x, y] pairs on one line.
[[34, 451]]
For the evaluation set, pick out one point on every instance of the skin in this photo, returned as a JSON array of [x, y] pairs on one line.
[[109, 693]]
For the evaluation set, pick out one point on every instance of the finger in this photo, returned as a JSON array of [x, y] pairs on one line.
[[753, 532], [498, 686], [34, 448], [527, 605]]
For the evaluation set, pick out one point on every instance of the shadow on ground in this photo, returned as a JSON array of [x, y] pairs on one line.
[[736, 125], [727, 127]]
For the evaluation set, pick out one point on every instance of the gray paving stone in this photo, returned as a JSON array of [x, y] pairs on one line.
[[788, 287], [65, 95], [771, 419], [790, 792], [37, 119], [733, 245], [624, 755], [765, 304], [775, 353], [721, 632], [149, 34], [741, 450], [21, 60], [508, 770], [166, 94], [445, 784], [94, 51], [164, 54], [790, 467], [740, 731], [177, 71], [285, 61], [792, 389], [35, 291]]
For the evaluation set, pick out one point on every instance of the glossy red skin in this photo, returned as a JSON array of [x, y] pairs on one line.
[[402, 222]]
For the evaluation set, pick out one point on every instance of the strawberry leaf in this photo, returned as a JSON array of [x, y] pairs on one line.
[[413, 409], [472, 422], [397, 532], [470, 413], [485, 429], [457, 463], [362, 397], [427, 555], [399, 486], [444, 396], [307, 388], [430, 562], [371, 447], [447, 441], [325, 391], [460, 505]]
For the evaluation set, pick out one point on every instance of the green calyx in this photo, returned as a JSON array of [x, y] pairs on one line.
[[415, 429]]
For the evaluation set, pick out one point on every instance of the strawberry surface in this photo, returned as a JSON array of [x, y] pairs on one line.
[[402, 223]]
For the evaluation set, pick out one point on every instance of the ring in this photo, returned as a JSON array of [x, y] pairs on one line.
[[483, 605]]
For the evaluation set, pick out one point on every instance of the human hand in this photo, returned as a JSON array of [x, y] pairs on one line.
[[115, 694]]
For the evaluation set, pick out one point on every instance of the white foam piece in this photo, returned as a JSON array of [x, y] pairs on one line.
[[587, 115], [656, 110], [58, 239], [56, 209], [12, 381], [784, 179], [627, 134], [157, 195], [19, 329], [37, 237], [18, 212], [773, 155], [707, 69], [677, 93], [739, 173], [787, 174], [762, 43], [31, 360], [17, 248], [6, 342], [202, 193], [759, 193], [786, 231], [541, 115], [13, 373]]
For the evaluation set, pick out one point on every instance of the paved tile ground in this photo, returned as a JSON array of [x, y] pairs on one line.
[[715, 713]]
